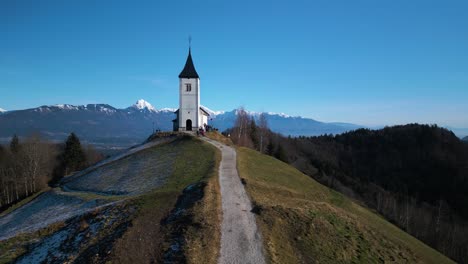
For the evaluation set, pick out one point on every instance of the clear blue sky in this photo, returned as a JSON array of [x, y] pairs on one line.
[[366, 62]]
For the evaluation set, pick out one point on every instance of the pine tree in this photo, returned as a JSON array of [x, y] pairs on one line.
[[73, 156], [281, 154], [14, 144], [270, 149], [71, 159], [254, 134]]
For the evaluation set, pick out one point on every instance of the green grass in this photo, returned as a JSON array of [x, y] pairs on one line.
[[146, 238], [304, 221]]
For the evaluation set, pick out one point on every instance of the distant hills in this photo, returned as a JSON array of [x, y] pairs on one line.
[[107, 125], [465, 138]]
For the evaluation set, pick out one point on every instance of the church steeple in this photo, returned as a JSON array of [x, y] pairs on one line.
[[189, 69]]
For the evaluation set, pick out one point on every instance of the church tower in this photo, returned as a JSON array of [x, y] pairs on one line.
[[190, 115]]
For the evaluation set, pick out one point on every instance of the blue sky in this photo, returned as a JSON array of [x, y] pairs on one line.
[[366, 62]]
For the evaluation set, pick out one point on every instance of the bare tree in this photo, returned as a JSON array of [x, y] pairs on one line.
[[241, 128], [263, 125]]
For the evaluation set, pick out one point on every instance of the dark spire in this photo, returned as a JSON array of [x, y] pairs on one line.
[[189, 70]]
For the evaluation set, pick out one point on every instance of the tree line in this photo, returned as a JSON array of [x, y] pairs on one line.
[[30, 165], [416, 176]]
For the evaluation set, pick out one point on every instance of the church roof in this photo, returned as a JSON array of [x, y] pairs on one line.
[[189, 69], [204, 111]]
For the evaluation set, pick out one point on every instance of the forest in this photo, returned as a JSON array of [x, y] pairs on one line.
[[30, 165], [416, 176]]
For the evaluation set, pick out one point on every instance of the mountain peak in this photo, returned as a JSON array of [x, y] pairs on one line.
[[2, 110], [142, 104]]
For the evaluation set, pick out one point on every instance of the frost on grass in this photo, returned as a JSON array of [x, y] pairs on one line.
[[82, 237], [48, 208], [130, 175], [136, 171]]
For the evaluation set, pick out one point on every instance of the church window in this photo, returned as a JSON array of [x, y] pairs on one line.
[[188, 87]]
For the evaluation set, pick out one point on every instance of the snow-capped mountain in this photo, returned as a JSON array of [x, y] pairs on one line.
[[2, 110], [143, 105], [285, 124], [103, 123]]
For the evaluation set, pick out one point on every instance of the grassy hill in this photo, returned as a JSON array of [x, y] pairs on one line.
[[128, 216], [160, 204], [303, 221]]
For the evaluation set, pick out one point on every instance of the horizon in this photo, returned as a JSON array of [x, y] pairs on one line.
[[372, 64]]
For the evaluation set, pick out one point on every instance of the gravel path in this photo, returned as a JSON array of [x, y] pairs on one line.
[[240, 239]]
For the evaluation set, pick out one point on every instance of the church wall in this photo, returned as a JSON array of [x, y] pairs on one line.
[[204, 119], [189, 103]]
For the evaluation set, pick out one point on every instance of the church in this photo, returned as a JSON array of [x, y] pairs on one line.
[[190, 115]]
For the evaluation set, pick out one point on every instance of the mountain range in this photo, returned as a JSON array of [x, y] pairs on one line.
[[107, 125]]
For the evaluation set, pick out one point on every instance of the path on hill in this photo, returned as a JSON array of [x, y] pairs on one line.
[[240, 239]]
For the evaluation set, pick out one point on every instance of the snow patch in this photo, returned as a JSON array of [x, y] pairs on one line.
[[211, 112], [66, 106], [2, 110], [167, 109]]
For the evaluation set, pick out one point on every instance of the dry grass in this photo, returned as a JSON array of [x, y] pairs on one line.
[[147, 236], [203, 245], [304, 222], [146, 240], [12, 248], [143, 241], [215, 135]]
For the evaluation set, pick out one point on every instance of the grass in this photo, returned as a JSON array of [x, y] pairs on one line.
[[23, 202], [303, 221], [215, 135], [146, 239], [12, 248], [203, 243]]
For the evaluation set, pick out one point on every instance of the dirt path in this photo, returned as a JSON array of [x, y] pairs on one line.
[[240, 239]]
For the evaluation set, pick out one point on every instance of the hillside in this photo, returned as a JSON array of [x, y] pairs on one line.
[[159, 202], [304, 222], [465, 138], [414, 175]]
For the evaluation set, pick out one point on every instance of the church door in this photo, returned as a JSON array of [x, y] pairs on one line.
[[188, 125]]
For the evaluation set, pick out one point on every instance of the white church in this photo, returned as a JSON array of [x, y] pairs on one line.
[[190, 116]]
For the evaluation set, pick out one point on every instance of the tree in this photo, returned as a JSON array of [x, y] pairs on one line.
[[280, 153], [73, 156], [270, 149], [254, 134], [263, 130], [14, 144], [241, 129]]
